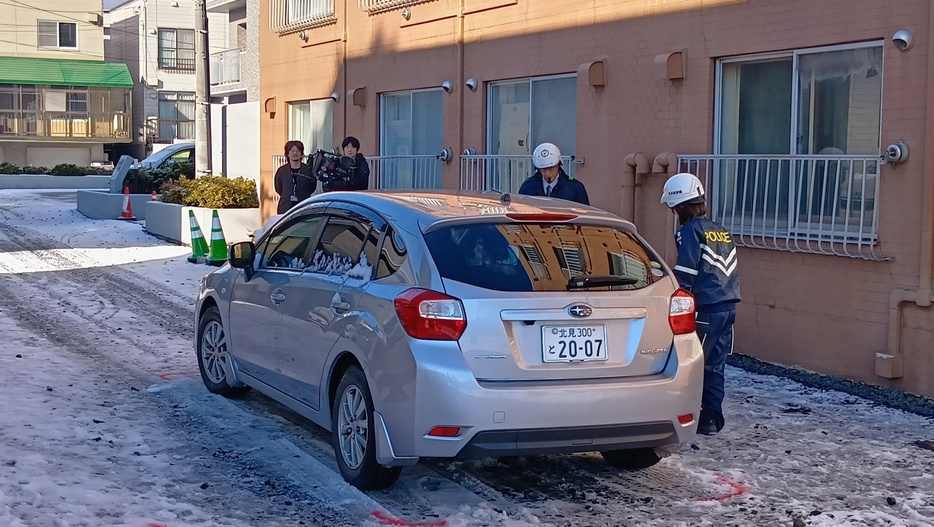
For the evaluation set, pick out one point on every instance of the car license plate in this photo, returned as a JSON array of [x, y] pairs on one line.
[[573, 343]]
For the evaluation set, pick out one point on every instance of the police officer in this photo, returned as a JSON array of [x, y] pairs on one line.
[[550, 179], [707, 268]]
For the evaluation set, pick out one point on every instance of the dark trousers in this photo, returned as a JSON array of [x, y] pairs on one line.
[[715, 331]]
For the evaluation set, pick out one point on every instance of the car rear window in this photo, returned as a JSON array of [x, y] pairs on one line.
[[542, 256]]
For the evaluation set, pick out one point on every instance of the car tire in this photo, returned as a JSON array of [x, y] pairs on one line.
[[353, 435], [632, 459], [212, 355]]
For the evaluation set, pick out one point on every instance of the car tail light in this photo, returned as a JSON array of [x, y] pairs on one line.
[[445, 431], [681, 314], [686, 419], [430, 315]]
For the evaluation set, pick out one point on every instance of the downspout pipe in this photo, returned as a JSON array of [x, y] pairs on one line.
[[891, 363], [666, 163], [633, 166]]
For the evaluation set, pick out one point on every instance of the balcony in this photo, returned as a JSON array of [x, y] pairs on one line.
[[28, 124], [225, 67], [291, 16], [379, 6], [818, 204], [501, 173], [177, 65]]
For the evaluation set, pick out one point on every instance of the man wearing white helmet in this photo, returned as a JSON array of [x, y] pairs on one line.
[[550, 179], [707, 268]]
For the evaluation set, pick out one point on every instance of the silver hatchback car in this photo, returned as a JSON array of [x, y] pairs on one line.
[[446, 324]]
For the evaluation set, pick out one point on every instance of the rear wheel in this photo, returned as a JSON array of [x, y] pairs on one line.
[[353, 435], [632, 459], [212, 355]]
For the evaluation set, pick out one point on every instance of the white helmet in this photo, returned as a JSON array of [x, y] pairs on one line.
[[682, 188], [546, 155]]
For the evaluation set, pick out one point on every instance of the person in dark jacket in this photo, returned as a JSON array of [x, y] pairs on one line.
[[706, 267], [550, 179], [293, 180], [358, 172]]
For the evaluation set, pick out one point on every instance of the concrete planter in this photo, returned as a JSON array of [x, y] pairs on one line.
[[44, 181], [104, 205], [170, 222]]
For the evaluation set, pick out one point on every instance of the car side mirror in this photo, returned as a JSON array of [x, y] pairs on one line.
[[242, 255]]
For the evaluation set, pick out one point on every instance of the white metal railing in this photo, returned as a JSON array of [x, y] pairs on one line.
[[379, 6], [821, 204], [405, 172], [501, 173], [225, 66], [30, 123], [289, 16]]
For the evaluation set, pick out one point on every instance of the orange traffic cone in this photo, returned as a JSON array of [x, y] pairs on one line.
[[127, 213]]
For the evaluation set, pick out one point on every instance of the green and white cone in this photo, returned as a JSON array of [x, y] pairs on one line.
[[199, 246], [218, 254]]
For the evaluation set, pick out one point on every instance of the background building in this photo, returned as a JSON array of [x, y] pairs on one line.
[[156, 40], [785, 108], [59, 101]]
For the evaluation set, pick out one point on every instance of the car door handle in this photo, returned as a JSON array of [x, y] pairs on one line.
[[277, 297], [340, 305]]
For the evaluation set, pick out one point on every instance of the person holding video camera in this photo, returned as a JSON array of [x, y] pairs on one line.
[[351, 172]]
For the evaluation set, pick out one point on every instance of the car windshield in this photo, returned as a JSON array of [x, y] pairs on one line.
[[543, 257]]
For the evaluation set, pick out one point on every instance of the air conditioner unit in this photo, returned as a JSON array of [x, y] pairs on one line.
[[96, 19]]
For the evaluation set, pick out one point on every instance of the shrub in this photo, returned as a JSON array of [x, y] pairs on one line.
[[212, 192], [144, 181], [9, 168], [68, 169], [29, 169]]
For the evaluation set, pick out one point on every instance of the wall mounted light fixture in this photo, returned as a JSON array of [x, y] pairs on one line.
[[902, 39], [447, 86], [471, 84], [303, 35], [336, 97], [406, 13]]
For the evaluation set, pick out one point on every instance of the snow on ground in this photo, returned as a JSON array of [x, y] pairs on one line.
[[104, 422]]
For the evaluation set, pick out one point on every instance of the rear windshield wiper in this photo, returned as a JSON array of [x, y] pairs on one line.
[[588, 280]]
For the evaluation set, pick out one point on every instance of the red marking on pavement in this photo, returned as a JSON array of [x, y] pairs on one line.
[[168, 376], [402, 523], [738, 490]]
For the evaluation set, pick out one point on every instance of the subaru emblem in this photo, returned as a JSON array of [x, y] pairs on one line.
[[580, 310]]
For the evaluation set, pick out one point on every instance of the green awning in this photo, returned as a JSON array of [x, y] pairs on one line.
[[56, 72]]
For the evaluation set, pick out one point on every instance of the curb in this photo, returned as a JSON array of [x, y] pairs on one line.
[[889, 397]]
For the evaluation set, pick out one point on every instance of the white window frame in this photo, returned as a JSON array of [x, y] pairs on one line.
[[58, 34], [314, 142], [809, 232]]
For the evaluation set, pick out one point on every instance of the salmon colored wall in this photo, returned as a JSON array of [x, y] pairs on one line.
[[822, 313]]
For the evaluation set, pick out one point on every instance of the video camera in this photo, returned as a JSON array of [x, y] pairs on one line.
[[329, 167]]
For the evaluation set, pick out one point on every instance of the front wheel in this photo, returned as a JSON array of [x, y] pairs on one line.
[[632, 459], [353, 436], [212, 355]]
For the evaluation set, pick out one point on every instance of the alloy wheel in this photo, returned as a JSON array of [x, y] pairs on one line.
[[213, 345], [352, 425]]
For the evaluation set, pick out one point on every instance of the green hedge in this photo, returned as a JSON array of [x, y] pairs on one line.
[[212, 192]]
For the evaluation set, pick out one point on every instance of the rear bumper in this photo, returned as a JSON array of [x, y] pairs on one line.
[[515, 418]]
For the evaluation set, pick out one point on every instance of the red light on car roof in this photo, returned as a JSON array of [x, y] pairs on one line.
[[445, 431], [541, 216]]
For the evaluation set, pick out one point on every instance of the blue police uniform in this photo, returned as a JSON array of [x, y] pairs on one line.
[[707, 268], [565, 188]]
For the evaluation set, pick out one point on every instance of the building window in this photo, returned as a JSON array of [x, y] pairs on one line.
[[524, 113], [411, 126], [797, 143], [176, 116], [55, 34], [289, 16], [177, 49], [312, 123]]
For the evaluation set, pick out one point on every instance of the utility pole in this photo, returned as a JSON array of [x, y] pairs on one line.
[[202, 90]]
